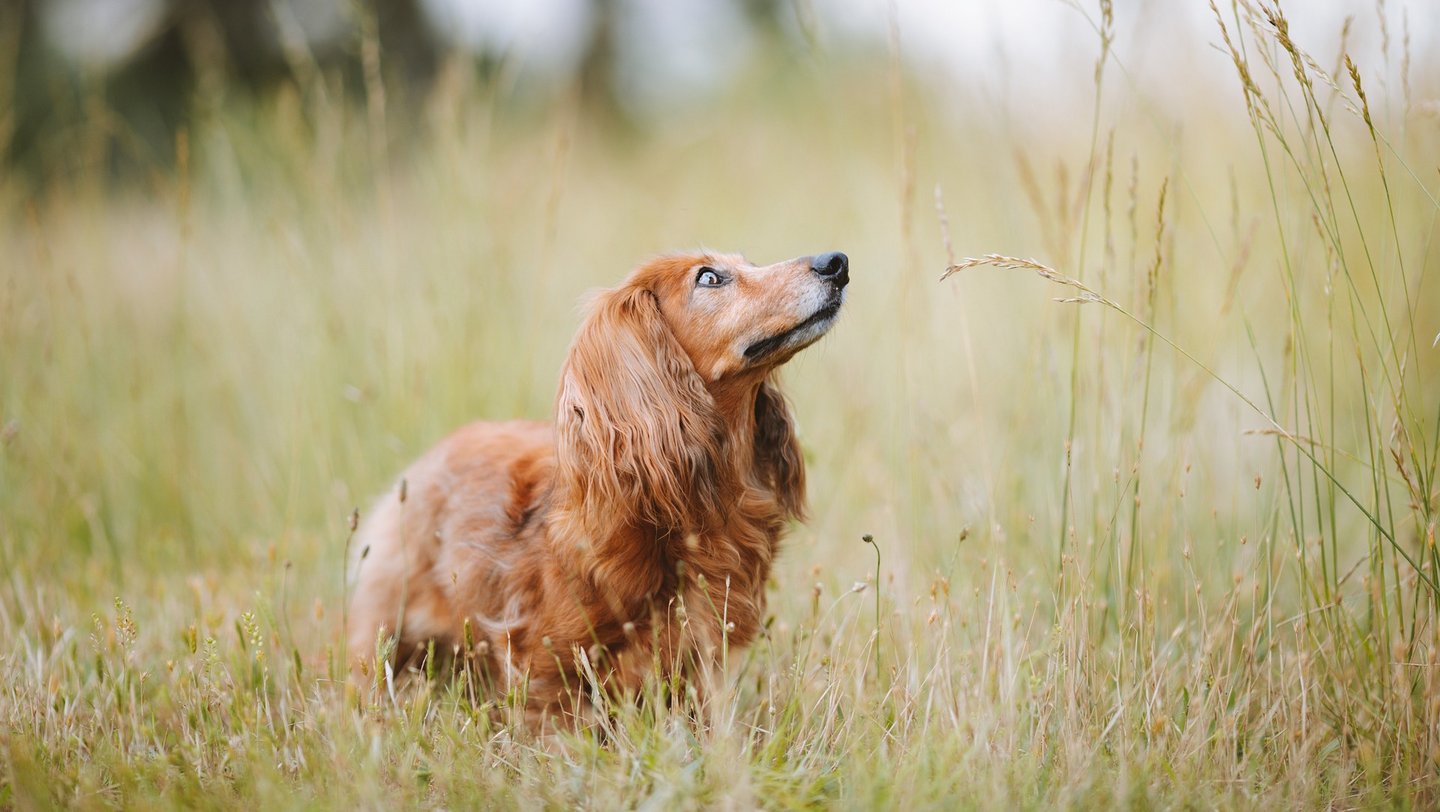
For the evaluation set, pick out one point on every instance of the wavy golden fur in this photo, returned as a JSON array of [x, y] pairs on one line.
[[637, 532]]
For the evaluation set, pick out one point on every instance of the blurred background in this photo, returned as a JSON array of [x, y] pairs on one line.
[[159, 63], [256, 256]]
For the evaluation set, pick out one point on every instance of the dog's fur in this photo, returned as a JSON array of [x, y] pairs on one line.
[[636, 532]]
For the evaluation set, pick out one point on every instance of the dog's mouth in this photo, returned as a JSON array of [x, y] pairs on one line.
[[799, 336]]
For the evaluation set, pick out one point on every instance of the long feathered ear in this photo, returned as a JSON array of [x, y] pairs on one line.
[[777, 451], [638, 435]]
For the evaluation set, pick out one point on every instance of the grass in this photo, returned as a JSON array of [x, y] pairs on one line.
[[1169, 542]]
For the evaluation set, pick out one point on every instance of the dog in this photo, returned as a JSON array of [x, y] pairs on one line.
[[632, 537]]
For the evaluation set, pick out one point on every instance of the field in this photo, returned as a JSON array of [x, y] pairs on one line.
[[1167, 542]]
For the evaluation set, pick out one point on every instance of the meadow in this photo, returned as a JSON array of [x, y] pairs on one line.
[[1169, 541]]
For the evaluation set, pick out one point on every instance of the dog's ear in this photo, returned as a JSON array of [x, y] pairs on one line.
[[777, 451], [638, 435]]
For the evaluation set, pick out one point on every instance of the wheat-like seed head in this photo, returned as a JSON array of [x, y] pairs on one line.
[[1086, 295]]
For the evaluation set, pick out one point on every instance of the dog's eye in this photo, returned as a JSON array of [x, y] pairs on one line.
[[709, 278]]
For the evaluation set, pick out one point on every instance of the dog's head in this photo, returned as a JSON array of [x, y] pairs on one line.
[[638, 424], [733, 318]]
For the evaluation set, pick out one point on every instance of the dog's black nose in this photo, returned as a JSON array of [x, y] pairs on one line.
[[833, 267]]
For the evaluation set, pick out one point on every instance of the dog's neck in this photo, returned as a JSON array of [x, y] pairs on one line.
[[735, 404]]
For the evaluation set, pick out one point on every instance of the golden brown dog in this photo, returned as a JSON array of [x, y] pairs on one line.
[[636, 534]]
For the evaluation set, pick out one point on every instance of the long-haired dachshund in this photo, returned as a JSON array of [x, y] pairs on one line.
[[635, 535]]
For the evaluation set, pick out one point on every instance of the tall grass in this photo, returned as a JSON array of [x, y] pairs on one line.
[[1169, 542]]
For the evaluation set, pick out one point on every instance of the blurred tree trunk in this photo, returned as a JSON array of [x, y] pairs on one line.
[[599, 78]]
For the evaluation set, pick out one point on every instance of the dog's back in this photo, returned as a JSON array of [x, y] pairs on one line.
[[446, 541]]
